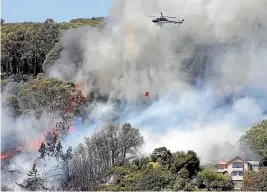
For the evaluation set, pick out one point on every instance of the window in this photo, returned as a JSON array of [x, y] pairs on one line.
[[221, 166], [237, 173], [234, 173], [237, 165]]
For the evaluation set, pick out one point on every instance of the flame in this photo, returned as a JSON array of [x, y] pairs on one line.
[[81, 86], [31, 144], [36, 143]]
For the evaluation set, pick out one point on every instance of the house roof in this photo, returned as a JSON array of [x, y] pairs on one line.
[[254, 162], [237, 157], [221, 162]]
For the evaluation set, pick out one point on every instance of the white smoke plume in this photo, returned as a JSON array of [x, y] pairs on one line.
[[209, 72], [223, 40]]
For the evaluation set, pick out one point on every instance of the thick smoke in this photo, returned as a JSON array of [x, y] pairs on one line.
[[209, 72]]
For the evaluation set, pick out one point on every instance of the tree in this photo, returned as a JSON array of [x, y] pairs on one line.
[[255, 181], [52, 56], [263, 161], [109, 146], [188, 160], [155, 180], [211, 180], [58, 98], [149, 174], [141, 163], [25, 45], [130, 140], [59, 173], [161, 155], [34, 181], [183, 181], [256, 138], [49, 21]]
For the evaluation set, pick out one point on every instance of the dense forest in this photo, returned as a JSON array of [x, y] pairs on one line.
[[108, 159]]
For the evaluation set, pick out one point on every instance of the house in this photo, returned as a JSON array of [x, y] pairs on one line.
[[236, 168]]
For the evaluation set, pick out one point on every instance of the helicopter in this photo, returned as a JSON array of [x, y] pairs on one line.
[[163, 19]]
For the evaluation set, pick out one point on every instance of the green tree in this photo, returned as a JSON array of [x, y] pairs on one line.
[[161, 155], [255, 181], [263, 161], [183, 181], [211, 180], [188, 160], [106, 148], [52, 56], [256, 138], [155, 179], [25, 45], [149, 174], [58, 98], [141, 163]]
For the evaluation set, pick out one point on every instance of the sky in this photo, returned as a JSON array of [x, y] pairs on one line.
[[58, 10]]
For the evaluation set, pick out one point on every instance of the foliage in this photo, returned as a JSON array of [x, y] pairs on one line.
[[255, 181], [256, 138], [52, 56], [263, 161], [25, 45], [50, 95], [211, 180], [161, 155], [74, 23], [57, 173], [155, 180], [183, 181], [141, 163], [156, 173], [112, 145], [188, 160], [13, 102]]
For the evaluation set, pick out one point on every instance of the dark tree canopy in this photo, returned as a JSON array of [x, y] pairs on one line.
[[25, 45]]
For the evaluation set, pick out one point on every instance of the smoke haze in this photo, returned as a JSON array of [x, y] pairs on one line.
[[209, 72]]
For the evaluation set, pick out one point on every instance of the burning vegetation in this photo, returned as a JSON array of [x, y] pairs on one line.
[[70, 106]]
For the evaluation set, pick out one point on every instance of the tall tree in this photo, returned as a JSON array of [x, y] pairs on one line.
[[256, 138], [108, 147]]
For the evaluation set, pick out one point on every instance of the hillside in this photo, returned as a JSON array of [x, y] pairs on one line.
[[80, 124]]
